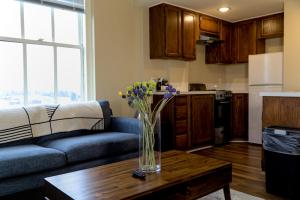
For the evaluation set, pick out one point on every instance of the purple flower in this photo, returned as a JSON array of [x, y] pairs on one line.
[[136, 91], [141, 95], [168, 95]]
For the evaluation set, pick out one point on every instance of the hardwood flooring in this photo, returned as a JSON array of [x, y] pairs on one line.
[[247, 175], [246, 169]]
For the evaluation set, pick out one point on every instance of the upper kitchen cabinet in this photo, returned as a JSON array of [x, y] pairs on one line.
[[189, 30], [209, 25], [221, 52], [271, 26], [172, 32], [165, 31], [246, 41]]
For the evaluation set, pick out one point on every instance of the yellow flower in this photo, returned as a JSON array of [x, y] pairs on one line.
[[144, 83], [136, 84], [120, 93], [152, 83], [130, 88]]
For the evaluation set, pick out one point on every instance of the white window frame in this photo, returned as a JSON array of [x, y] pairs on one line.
[[55, 45]]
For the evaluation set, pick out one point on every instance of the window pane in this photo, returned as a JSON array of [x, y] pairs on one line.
[[40, 70], [66, 26], [37, 22], [10, 18], [69, 75], [11, 74]]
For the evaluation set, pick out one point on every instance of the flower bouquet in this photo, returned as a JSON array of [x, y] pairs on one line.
[[139, 96]]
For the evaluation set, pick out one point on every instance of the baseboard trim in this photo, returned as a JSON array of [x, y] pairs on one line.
[[239, 141]]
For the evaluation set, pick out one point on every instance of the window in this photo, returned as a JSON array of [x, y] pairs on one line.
[[41, 54]]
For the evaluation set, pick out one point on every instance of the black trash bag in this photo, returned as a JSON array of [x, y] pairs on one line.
[[285, 144]]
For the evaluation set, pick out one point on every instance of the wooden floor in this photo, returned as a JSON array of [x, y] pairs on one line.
[[247, 175]]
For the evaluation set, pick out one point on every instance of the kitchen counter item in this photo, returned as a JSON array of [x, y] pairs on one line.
[[188, 93], [280, 94], [197, 87]]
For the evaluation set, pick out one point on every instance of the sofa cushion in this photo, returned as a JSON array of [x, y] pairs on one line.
[[25, 159], [95, 146]]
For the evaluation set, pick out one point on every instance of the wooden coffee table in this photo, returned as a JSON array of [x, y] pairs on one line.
[[183, 176]]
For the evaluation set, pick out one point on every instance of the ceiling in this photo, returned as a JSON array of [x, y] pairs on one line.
[[239, 9]]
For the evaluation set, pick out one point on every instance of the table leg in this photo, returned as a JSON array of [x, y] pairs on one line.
[[226, 190]]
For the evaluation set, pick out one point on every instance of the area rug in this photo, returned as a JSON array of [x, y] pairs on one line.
[[235, 195]]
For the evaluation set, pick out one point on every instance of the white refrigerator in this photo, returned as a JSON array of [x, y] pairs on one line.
[[265, 74]]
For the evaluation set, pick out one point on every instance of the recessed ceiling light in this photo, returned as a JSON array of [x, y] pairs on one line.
[[224, 9]]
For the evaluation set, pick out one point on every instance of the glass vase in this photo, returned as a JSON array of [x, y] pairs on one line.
[[150, 143]]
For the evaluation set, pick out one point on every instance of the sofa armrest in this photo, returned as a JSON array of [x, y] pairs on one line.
[[125, 124]]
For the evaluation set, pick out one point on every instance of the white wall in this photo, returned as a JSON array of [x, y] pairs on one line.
[[291, 78], [122, 56], [116, 63]]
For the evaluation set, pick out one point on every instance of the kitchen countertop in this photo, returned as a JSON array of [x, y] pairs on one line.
[[189, 93], [204, 92], [239, 91], [280, 94]]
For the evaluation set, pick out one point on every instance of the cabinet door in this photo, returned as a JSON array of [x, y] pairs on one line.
[[209, 24], [212, 54], [202, 119], [173, 27], [225, 46], [167, 123], [188, 35], [181, 122], [272, 26], [239, 116], [245, 34], [221, 53]]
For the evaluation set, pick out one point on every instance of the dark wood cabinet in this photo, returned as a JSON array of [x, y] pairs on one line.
[[174, 122], [181, 121], [221, 52], [188, 35], [165, 31], [239, 116], [246, 41], [271, 26], [226, 34], [187, 121], [173, 32], [239, 41], [202, 119], [209, 25], [167, 122]]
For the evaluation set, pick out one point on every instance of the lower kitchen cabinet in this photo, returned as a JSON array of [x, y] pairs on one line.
[[239, 116], [187, 121], [202, 119], [167, 122], [174, 122]]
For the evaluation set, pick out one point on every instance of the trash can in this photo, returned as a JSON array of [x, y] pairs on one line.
[[282, 161]]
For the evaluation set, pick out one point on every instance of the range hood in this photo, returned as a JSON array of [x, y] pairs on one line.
[[205, 39]]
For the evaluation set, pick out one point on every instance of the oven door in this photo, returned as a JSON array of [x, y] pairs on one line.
[[222, 121]]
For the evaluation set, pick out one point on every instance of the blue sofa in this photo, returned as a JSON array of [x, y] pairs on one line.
[[24, 164]]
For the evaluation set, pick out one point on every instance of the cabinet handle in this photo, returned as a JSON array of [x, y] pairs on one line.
[[225, 102]]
